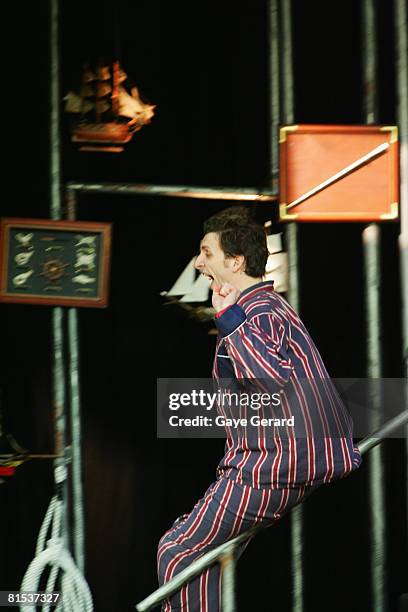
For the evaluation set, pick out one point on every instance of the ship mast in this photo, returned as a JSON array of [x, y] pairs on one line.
[[115, 89], [103, 90]]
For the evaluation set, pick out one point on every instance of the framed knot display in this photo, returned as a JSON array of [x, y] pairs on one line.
[[61, 263]]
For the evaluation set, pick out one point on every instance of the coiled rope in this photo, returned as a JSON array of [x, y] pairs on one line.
[[75, 593]]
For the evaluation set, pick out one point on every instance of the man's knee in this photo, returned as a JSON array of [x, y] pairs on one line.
[[163, 563], [167, 554], [161, 559], [165, 571]]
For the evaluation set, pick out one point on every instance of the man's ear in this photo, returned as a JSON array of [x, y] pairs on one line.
[[239, 263]]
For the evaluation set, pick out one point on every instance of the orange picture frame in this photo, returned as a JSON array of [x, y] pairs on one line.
[[331, 173]]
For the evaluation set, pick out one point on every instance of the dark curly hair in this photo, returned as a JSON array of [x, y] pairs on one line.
[[240, 234]]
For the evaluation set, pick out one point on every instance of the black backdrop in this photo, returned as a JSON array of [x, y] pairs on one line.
[[205, 66]]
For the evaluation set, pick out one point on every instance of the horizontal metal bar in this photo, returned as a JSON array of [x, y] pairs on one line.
[[176, 191], [19, 457], [213, 556]]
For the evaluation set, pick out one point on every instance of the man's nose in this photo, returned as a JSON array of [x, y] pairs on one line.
[[198, 262]]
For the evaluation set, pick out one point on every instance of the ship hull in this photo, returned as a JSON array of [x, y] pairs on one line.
[[104, 137], [102, 133]]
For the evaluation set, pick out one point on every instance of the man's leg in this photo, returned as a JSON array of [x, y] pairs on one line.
[[190, 537], [226, 510]]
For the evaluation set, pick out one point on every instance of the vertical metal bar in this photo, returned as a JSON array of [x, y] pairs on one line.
[[227, 562], [58, 368], [287, 59], [58, 376], [375, 460], [293, 294], [372, 251], [75, 413], [76, 459], [370, 100], [401, 52], [297, 558], [288, 118], [292, 248], [55, 161], [274, 112], [71, 198]]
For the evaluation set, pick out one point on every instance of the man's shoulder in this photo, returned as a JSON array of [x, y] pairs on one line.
[[263, 296], [263, 302], [271, 305]]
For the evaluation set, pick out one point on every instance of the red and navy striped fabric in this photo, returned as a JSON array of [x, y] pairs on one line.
[[263, 342], [226, 510], [266, 471]]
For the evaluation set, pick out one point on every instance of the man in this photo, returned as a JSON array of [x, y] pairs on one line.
[[266, 470]]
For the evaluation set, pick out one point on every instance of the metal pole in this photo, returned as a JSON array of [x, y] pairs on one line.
[[371, 238], [176, 191], [75, 410], [383, 432], [58, 368], [293, 293], [228, 581], [285, 47], [401, 49], [58, 376], [370, 62], [274, 116], [77, 492], [55, 161]]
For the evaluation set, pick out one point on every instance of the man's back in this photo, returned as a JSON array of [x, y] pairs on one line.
[[263, 341]]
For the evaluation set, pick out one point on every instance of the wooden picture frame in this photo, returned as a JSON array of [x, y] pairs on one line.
[[59, 263], [338, 173]]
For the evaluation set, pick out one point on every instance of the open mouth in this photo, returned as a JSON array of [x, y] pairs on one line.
[[210, 278]]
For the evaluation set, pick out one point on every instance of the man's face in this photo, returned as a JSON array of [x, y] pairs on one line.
[[212, 261]]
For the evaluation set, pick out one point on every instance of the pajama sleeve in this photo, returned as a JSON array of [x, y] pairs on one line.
[[257, 347]]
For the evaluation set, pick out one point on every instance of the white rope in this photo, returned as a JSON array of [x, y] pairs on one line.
[[75, 593], [46, 525]]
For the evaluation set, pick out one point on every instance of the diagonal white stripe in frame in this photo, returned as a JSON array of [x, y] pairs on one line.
[[380, 150]]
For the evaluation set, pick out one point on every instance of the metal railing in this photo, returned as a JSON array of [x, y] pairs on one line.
[[224, 553]]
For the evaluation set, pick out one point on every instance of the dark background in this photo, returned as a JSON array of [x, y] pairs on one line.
[[205, 66]]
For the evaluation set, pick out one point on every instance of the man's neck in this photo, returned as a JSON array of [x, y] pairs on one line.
[[244, 281]]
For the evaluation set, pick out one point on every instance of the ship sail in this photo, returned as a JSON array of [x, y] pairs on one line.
[[76, 104], [274, 243], [103, 90], [277, 264], [185, 281], [132, 106], [102, 106], [103, 73], [277, 271], [188, 287], [88, 76], [199, 292]]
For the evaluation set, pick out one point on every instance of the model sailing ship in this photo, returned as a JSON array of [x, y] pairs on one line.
[[107, 114]]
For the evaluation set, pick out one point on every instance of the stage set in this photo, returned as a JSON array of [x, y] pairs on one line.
[[205, 193]]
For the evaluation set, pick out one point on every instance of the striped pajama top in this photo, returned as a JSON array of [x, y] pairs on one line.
[[263, 346]]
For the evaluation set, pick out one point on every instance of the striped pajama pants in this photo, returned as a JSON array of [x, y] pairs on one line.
[[226, 510]]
